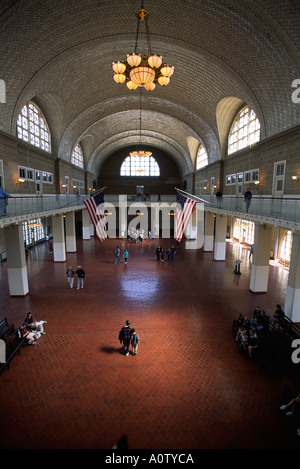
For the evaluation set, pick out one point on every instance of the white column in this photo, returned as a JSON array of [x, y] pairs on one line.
[[209, 226], [16, 260], [70, 232], [261, 257], [86, 220], [292, 298], [220, 238], [59, 248]]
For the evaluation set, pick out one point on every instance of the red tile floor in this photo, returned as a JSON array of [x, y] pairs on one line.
[[187, 388]]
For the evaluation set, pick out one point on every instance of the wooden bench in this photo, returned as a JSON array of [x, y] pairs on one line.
[[6, 328], [13, 347]]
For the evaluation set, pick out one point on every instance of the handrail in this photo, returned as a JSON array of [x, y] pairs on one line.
[[286, 208]]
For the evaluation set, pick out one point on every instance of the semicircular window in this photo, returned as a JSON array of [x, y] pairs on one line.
[[245, 130], [139, 166], [77, 156], [33, 128], [202, 159]]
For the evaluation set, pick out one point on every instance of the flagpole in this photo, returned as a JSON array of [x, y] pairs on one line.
[[99, 190], [192, 196]]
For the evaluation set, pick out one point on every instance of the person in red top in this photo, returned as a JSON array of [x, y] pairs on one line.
[[27, 335]]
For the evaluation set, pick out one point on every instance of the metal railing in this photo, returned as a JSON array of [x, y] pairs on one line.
[[287, 209]]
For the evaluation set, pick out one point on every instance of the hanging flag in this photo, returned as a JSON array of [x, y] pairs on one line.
[[95, 207], [184, 210]]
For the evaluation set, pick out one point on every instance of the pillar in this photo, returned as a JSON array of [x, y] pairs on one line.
[[70, 232], [209, 227], [220, 238], [59, 248], [16, 260], [292, 298], [261, 256], [86, 220]]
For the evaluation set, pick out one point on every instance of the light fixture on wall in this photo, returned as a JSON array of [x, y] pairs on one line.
[[20, 181], [142, 70], [140, 153], [296, 178]]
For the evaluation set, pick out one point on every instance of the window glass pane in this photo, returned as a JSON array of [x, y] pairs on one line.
[[29, 125], [77, 156], [139, 166], [245, 131]]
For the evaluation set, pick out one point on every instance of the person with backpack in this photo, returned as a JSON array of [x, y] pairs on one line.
[[124, 336], [80, 276]]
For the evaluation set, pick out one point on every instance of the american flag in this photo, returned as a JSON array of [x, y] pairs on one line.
[[184, 210], [95, 207]]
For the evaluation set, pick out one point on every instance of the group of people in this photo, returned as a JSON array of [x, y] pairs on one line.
[[118, 255], [32, 329], [80, 276], [247, 336], [127, 336], [161, 252]]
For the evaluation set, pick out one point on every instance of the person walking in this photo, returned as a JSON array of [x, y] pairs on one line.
[[70, 276], [80, 277], [124, 336], [125, 255], [134, 339]]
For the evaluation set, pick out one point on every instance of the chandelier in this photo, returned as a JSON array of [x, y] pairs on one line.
[[140, 153], [142, 70]]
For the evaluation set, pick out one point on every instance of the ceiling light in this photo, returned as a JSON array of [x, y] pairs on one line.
[[142, 70]]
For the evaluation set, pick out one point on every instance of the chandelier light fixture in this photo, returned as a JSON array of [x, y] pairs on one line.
[[142, 70], [140, 153]]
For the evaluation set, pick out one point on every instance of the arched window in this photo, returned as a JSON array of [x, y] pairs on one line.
[[245, 130], [77, 156], [139, 166], [202, 159], [286, 247], [32, 127]]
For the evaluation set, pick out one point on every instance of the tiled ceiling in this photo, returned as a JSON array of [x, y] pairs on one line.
[[60, 52]]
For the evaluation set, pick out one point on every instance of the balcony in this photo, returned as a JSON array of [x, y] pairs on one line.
[[282, 212]]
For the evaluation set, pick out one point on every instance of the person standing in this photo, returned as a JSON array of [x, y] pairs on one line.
[[70, 276], [247, 198], [117, 255], [3, 201], [134, 339], [219, 196], [157, 252], [80, 277], [173, 250], [124, 336], [125, 255]]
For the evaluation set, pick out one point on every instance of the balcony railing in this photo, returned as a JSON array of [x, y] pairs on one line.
[[287, 209]]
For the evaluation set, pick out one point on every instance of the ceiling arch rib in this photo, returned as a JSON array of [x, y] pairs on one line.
[[125, 140]]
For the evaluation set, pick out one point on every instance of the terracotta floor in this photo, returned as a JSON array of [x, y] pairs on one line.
[[187, 388]]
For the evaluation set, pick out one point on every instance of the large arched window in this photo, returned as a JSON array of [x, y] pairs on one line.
[[139, 166], [245, 130], [32, 127], [77, 156], [202, 159]]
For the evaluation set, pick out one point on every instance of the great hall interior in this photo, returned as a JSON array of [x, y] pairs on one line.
[[141, 101]]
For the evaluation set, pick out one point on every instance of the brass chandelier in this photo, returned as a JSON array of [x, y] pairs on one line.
[[142, 70]]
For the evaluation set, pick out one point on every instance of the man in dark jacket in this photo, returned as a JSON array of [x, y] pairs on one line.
[[124, 336]]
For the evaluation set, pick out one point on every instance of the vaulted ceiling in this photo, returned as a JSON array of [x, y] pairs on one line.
[[59, 53]]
